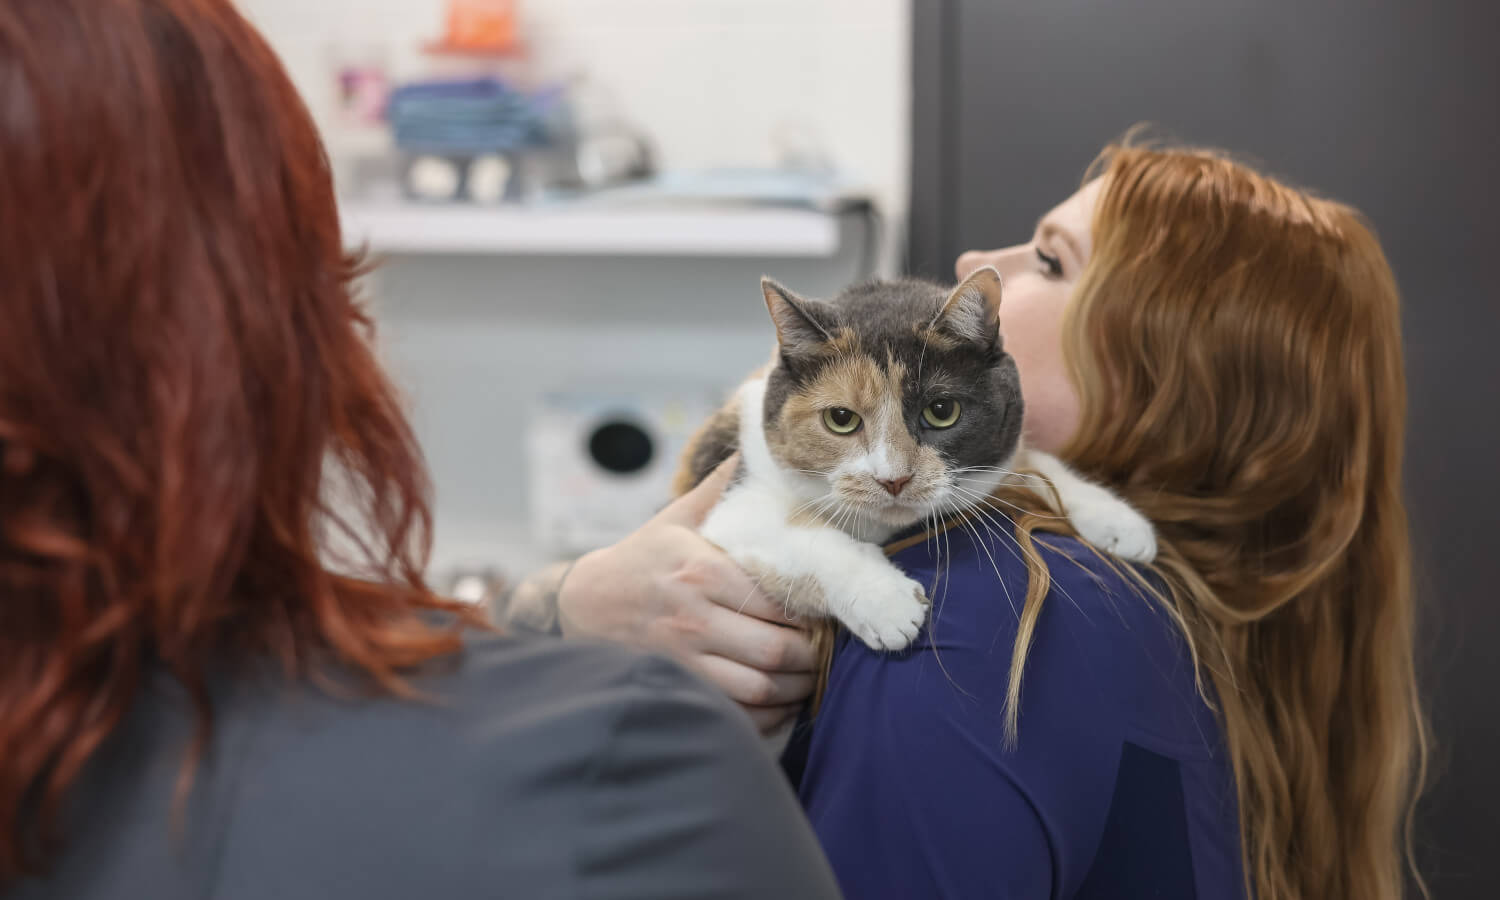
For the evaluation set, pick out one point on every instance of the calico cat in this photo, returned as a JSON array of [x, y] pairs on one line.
[[892, 405]]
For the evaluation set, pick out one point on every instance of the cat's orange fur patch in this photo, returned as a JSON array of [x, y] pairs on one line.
[[935, 339], [845, 342], [854, 381], [805, 593], [720, 431]]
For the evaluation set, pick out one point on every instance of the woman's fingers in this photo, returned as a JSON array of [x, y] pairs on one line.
[[770, 719], [733, 588], [757, 643], [691, 508], [757, 604], [752, 687]]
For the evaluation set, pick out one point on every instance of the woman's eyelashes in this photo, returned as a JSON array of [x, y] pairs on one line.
[[1051, 265]]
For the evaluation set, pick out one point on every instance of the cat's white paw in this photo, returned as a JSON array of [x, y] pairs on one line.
[[888, 613], [1115, 528]]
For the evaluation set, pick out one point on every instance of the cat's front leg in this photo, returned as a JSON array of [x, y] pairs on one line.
[[819, 571], [863, 590], [1099, 517], [875, 600]]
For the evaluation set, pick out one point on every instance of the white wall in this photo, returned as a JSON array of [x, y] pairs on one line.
[[710, 80]]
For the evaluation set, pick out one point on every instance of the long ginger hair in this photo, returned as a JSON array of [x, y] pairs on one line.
[[183, 373], [1236, 346]]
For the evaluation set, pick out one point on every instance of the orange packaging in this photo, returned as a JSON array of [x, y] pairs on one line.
[[482, 25]]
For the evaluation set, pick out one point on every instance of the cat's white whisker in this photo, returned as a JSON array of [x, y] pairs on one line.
[[846, 516], [759, 584], [1031, 481], [986, 489], [943, 567], [937, 611], [987, 499], [1012, 544], [1007, 470], [978, 544], [994, 565], [1011, 477], [1025, 511], [817, 505]]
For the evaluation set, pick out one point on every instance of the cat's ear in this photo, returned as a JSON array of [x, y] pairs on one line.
[[800, 325], [972, 311]]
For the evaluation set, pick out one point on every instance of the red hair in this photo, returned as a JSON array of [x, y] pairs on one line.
[[190, 408]]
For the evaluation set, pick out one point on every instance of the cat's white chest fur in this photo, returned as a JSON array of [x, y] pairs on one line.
[[816, 569], [825, 571]]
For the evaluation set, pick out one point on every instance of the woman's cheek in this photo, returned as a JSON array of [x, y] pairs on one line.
[[1051, 411], [1032, 329]]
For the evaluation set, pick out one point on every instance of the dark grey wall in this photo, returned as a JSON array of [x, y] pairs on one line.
[[1392, 106]]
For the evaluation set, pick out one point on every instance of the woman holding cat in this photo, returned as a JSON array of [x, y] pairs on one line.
[[1239, 718]]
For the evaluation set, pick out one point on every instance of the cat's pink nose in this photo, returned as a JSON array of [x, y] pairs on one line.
[[894, 486]]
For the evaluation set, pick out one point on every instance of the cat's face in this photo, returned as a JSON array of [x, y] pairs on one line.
[[893, 401]]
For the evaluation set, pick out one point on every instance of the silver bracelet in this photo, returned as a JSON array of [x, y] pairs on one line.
[[557, 630], [538, 612]]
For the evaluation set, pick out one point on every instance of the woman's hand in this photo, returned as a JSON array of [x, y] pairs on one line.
[[666, 588]]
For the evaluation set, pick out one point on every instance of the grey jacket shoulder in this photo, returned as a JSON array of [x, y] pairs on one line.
[[532, 768]]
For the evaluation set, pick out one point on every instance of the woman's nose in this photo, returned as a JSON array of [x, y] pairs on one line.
[[973, 259], [1008, 261]]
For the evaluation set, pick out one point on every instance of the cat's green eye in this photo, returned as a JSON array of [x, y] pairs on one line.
[[941, 413], [840, 420]]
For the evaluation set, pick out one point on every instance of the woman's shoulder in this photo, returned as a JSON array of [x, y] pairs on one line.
[[1103, 645], [499, 675], [499, 689], [533, 767], [529, 762], [507, 717], [1113, 754]]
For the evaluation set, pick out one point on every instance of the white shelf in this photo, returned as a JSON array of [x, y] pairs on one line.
[[407, 228]]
